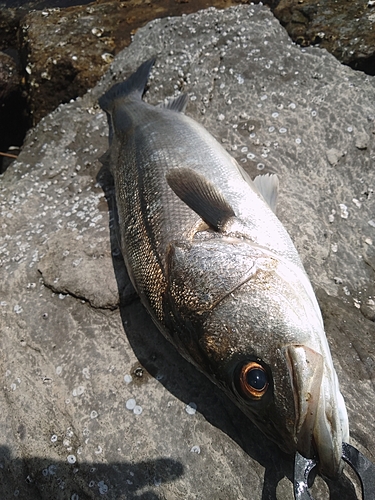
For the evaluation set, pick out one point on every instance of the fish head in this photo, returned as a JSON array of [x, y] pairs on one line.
[[258, 334]]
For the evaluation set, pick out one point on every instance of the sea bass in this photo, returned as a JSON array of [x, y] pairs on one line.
[[219, 274]]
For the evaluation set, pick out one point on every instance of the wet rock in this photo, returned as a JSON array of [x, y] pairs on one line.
[[9, 24], [9, 76], [344, 28], [13, 118], [67, 51], [76, 421]]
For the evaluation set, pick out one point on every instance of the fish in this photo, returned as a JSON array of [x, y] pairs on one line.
[[219, 274]]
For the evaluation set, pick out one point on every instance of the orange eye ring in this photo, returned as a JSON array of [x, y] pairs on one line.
[[253, 380]]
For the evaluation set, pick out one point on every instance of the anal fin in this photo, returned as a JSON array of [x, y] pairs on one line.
[[201, 196]]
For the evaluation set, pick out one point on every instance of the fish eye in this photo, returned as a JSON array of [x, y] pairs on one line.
[[253, 380]]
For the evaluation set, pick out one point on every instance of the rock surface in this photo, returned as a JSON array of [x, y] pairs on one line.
[[68, 50], [95, 403], [62, 52], [345, 29], [9, 76], [65, 48]]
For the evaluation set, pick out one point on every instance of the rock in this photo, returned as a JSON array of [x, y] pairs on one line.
[[344, 29], [9, 24], [333, 156], [361, 140], [368, 309], [9, 76], [13, 122], [85, 272], [62, 52], [68, 50], [65, 51], [94, 401]]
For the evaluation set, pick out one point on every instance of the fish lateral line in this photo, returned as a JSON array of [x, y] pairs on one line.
[[201, 196]]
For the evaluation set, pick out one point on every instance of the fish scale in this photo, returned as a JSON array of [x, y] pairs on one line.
[[137, 247]]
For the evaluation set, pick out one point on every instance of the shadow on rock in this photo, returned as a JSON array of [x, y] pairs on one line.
[[158, 356], [82, 480]]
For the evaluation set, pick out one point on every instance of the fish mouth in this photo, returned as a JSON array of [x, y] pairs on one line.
[[318, 427]]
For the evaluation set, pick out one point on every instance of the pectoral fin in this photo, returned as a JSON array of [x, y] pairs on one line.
[[201, 196]]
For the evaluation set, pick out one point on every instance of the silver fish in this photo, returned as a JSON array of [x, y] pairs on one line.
[[219, 274]]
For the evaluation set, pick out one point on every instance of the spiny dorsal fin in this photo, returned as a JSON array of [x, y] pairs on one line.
[[134, 84], [178, 103], [201, 196], [268, 186]]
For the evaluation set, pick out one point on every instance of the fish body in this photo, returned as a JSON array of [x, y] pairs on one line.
[[219, 274]]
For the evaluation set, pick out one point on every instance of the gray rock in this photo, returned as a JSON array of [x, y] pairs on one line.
[[361, 140], [66, 50], [84, 271], [333, 156], [72, 364]]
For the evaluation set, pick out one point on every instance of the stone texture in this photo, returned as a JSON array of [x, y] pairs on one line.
[[67, 352], [9, 76], [13, 118], [81, 271], [66, 51], [345, 29], [9, 24]]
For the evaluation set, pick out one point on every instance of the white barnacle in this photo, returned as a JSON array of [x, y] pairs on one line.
[[191, 408], [130, 404]]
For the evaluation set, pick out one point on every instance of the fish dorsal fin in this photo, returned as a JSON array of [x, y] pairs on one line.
[[268, 186], [178, 103], [201, 196], [134, 84]]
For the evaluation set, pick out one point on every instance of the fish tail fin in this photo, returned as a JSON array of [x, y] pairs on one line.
[[135, 84]]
